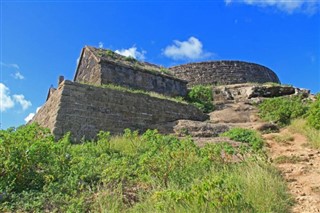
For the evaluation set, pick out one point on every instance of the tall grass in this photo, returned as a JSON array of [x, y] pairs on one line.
[[312, 134], [132, 173]]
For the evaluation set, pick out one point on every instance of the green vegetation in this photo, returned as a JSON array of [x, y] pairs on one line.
[[132, 173], [110, 53], [201, 96], [251, 137], [136, 91], [284, 139], [282, 110], [165, 70], [313, 119], [288, 159], [312, 134], [130, 59]]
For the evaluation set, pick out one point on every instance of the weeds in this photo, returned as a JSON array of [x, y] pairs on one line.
[[131, 173], [287, 159], [312, 134]]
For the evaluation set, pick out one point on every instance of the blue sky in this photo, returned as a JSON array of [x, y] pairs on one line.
[[41, 40]]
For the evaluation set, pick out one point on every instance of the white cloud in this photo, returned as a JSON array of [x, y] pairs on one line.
[[15, 66], [6, 101], [100, 44], [18, 75], [132, 52], [190, 49], [31, 115], [22, 101], [288, 6]]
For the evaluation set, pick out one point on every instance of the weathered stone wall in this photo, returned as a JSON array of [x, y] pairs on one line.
[[89, 68], [224, 72], [47, 114], [140, 79], [85, 110], [97, 66]]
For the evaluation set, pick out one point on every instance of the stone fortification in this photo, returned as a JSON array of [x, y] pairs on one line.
[[224, 72], [100, 66], [84, 110]]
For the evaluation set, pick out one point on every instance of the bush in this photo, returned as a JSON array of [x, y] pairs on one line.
[[129, 173], [282, 110], [246, 136], [201, 97], [313, 118]]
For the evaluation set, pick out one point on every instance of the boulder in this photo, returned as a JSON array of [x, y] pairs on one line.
[[199, 129]]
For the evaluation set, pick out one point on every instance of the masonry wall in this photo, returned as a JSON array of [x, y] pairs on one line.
[[85, 110], [224, 72], [89, 70], [96, 67], [47, 114], [141, 79]]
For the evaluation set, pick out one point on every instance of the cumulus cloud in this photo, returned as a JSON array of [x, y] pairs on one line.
[[18, 76], [132, 52], [100, 44], [291, 6], [6, 101], [31, 115], [190, 49], [20, 99]]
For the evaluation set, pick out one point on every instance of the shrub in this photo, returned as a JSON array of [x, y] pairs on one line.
[[201, 97], [313, 118], [282, 110], [129, 173], [246, 136]]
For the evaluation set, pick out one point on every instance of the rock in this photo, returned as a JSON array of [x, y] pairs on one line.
[[235, 113], [199, 129], [267, 127]]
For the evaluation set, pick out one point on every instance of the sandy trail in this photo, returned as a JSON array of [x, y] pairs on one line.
[[300, 167]]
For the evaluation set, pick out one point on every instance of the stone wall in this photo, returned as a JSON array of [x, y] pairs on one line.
[[89, 68], [224, 72], [85, 110], [98, 66], [48, 113], [143, 80]]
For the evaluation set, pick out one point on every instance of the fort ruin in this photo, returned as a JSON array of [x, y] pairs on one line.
[[87, 105]]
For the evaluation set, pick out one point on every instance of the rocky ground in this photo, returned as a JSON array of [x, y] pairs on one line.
[[300, 167]]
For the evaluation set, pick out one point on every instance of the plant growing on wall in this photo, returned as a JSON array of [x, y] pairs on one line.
[[201, 97]]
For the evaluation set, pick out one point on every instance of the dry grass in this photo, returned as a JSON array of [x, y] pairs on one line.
[[288, 159], [313, 135], [284, 139]]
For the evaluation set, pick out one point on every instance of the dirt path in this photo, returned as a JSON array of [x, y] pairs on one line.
[[300, 166]]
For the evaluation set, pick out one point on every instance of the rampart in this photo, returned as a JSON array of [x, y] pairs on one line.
[[99, 66], [224, 72], [84, 110]]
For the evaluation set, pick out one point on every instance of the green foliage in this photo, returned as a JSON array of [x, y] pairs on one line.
[[201, 97], [128, 173], [313, 118], [245, 135], [282, 110], [165, 70], [136, 91], [130, 59], [313, 135]]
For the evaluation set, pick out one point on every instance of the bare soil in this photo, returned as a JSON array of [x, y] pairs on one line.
[[300, 167]]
